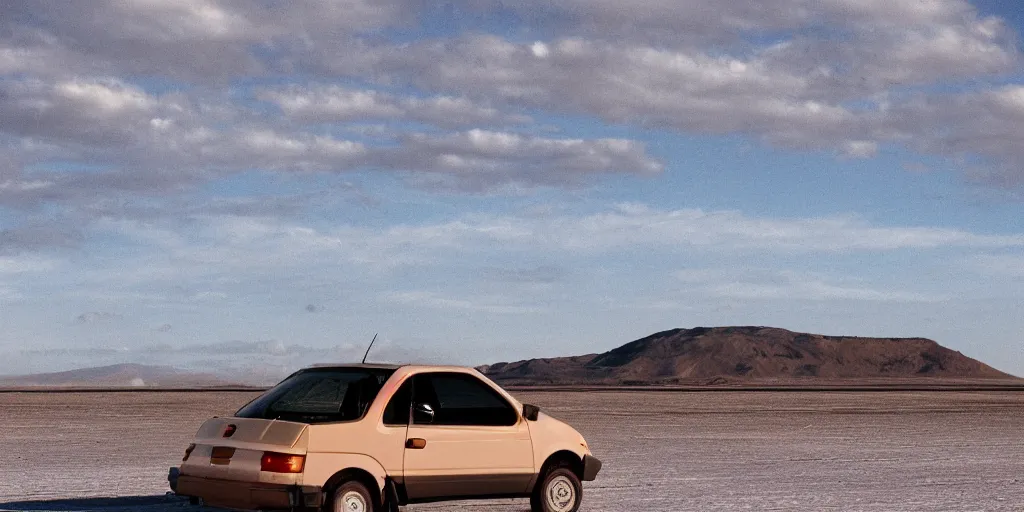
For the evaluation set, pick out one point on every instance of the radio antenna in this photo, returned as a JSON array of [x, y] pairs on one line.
[[368, 348]]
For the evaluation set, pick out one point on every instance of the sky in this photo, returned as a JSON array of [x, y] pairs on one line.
[[256, 186]]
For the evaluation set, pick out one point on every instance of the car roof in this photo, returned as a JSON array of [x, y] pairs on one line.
[[381, 366], [373, 366]]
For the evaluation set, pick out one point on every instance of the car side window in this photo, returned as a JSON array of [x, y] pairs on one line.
[[396, 413], [461, 399]]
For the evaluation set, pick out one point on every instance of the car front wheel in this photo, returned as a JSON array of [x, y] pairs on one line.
[[351, 497], [560, 490]]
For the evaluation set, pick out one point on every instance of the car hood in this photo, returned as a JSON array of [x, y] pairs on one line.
[[550, 431]]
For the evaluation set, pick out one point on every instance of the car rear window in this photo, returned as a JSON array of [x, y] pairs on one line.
[[319, 395]]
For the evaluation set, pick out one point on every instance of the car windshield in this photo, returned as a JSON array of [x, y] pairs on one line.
[[319, 395]]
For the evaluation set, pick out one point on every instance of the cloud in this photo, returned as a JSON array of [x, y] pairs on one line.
[[768, 284], [36, 236], [833, 75], [860, 149], [86, 111], [801, 74], [998, 265], [483, 304], [243, 246], [478, 159], [164, 38], [982, 123], [133, 143], [93, 317], [631, 225], [543, 274], [217, 260], [326, 104], [839, 75], [877, 43], [23, 265], [685, 90], [816, 290], [701, 21]]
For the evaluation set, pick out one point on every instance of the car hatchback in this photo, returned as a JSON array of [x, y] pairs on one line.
[[365, 437]]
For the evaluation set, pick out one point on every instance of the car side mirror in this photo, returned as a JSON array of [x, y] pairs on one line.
[[531, 412], [423, 413]]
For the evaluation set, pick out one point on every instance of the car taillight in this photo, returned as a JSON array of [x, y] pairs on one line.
[[282, 462], [188, 451]]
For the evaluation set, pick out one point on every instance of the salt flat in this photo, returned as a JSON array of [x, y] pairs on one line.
[[663, 451]]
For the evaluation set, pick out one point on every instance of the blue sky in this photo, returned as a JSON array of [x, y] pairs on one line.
[[228, 186]]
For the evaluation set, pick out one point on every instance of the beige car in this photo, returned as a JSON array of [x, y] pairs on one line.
[[366, 437]]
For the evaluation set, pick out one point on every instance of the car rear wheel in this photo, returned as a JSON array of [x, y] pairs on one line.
[[559, 490], [351, 497]]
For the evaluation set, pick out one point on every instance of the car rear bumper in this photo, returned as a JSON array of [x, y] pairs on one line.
[[245, 495], [591, 466]]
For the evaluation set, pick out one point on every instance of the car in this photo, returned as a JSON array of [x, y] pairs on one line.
[[372, 437]]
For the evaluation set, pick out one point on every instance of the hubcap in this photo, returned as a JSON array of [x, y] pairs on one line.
[[351, 501], [561, 495]]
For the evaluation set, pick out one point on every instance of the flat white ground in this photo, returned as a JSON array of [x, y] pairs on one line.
[[662, 451]]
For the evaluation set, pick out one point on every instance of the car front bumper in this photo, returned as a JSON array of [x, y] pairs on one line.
[[244, 495], [591, 466]]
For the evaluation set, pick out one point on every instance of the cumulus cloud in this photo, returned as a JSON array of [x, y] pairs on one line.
[[87, 112], [140, 144], [842, 75], [477, 159], [983, 123], [335, 103], [701, 67], [165, 38], [879, 42], [701, 21], [688, 90]]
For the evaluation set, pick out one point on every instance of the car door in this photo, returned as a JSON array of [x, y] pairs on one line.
[[464, 439]]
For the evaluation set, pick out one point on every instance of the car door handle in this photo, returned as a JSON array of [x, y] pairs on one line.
[[416, 443]]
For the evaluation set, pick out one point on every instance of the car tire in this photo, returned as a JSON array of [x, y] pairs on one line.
[[558, 490], [351, 496]]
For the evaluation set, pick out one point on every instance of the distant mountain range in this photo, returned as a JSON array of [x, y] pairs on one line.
[[700, 356], [722, 355], [118, 375]]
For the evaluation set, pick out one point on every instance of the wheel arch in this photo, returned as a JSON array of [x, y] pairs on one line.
[[359, 475], [570, 457]]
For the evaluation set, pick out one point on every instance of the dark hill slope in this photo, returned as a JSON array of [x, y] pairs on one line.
[[705, 354]]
